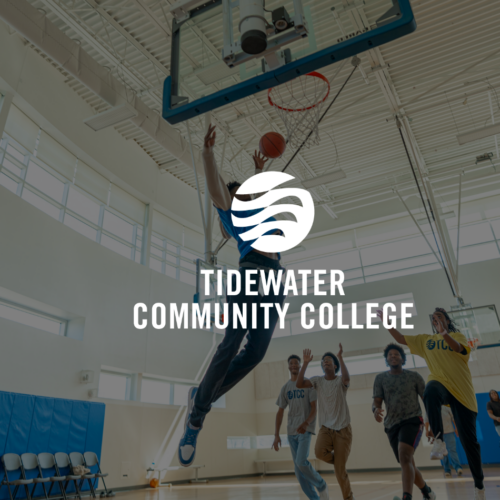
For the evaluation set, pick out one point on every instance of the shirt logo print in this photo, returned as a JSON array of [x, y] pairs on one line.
[[430, 344], [297, 393]]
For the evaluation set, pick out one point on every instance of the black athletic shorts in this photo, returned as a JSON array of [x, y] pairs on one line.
[[408, 432]]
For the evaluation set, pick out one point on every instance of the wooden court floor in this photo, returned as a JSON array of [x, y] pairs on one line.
[[366, 486]]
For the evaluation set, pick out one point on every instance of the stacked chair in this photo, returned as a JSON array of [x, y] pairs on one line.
[[51, 469]]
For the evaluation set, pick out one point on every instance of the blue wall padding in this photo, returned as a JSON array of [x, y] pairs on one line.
[[6, 405], [35, 424], [486, 434]]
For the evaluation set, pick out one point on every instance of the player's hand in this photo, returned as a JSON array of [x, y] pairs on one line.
[[308, 357], [380, 314], [341, 350], [302, 429], [379, 414], [209, 140], [277, 443], [430, 435], [259, 159], [444, 329]]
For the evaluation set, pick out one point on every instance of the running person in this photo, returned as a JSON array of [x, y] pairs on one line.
[[333, 444], [301, 426], [450, 382], [399, 389], [452, 459], [493, 409], [228, 366]]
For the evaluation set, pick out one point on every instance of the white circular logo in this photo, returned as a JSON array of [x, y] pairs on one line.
[[293, 232]]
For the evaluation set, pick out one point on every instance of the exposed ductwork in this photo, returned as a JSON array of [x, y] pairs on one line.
[[38, 30]]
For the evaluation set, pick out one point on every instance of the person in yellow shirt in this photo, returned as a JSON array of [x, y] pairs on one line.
[[450, 383]]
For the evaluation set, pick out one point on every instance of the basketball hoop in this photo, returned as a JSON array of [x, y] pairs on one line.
[[299, 103]]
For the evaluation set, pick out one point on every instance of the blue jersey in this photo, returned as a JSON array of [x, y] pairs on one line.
[[244, 247]]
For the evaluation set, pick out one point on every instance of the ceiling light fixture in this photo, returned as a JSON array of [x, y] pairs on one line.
[[336, 175], [480, 133], [111, 117]]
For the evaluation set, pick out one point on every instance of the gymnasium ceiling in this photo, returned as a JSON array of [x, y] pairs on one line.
[[442, 78]]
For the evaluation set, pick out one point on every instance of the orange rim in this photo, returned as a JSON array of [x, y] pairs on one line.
[[315, 74]]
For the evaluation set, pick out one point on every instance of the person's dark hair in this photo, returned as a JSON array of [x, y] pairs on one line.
[[231, 185], [335, 360], [398, 348], [489, 394], [451, 325], [294, 356]]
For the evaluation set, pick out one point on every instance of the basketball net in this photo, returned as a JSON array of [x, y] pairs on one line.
[[299, 103]]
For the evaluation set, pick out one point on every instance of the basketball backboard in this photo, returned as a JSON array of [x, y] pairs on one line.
[[295, 37], [478, 324]]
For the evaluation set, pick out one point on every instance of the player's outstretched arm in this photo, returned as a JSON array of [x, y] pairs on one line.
[[378, 412], [277, 427], [304, 383], [445, 333], [346, 378], [398, 336], [302, 429], [215, 183]]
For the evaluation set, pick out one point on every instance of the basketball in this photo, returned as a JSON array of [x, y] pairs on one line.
[[154, 483], [272, 145]]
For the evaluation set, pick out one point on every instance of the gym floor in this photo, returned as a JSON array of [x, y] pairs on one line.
[[365, 485]]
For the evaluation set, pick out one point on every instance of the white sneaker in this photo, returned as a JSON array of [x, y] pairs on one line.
[[479, 494], [438, 450], [324, 495], [460, 472], [447, 474], [432, 496]]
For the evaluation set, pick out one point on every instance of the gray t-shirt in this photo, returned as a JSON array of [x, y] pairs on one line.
[[400, 394], [333, 411], [299, 406]]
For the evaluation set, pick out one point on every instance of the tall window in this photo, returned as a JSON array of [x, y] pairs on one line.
[[103, 213]]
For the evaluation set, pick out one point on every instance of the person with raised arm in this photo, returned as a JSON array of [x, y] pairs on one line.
[[333, 444], [399, 390], [301, 404], [228, 366], [449, 383]]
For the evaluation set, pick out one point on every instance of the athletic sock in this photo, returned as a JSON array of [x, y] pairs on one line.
[[426, 491], [407, 496]]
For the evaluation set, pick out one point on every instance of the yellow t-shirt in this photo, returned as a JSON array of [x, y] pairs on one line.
[[448, 367]]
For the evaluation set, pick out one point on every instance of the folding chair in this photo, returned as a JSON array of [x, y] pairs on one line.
[[47, 461], [90, 460], [12, 463], [61, 462], [30, 462], [76, 458]]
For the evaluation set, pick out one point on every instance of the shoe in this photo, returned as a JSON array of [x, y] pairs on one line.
[[191, 395], [438, 450], [432, 496], [324, 495], [479, 494], [447, 474], [187, 446], [460, 472]]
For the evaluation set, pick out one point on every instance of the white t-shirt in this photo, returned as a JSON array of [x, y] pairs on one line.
[[333, 411]]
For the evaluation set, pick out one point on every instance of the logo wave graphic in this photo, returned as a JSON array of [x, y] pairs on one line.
[[293, 232]]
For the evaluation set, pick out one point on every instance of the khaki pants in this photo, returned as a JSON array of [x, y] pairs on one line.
[[339, 442]]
